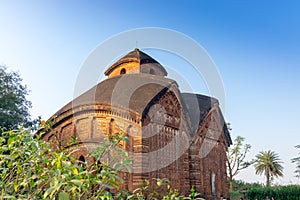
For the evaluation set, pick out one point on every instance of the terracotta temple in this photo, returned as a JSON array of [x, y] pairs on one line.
[[179, 136]]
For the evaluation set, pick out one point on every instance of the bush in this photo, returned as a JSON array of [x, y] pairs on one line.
[[239, 186], [30, 169], [291, 192], [235, 195]]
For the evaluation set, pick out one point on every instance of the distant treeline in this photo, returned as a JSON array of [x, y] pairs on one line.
[[290, 192], [260, 192]]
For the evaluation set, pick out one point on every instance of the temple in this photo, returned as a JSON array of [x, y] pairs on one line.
[[179, 136]]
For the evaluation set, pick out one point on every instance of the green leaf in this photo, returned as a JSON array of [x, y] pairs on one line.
[[9, 197], [108, 186], [66, 163], [7, 157], [63, 196], [119, 179], [159, 182], [77, 182], [48, 191], [126, 139]]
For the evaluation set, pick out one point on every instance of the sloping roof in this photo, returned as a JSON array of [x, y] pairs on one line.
[[129, 91], [197, 107], [136, 56]]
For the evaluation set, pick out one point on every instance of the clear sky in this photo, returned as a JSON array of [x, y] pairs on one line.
[[255, 45]]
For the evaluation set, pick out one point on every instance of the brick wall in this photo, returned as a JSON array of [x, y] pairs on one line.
[[160, 140]]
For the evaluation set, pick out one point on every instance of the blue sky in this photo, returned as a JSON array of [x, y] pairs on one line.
[[255, 45]]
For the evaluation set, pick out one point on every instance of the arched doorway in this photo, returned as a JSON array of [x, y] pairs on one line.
[[81, 161]]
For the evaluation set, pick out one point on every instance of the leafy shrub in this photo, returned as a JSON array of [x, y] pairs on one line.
[[291, 192], [30, 169], [235, 195]]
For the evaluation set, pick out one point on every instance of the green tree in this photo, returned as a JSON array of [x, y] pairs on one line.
[[14, 107], [297, 161], [269, 164], [236, 159]]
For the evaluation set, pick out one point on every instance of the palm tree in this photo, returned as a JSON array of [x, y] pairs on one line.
[[297, 161], [269, 163]]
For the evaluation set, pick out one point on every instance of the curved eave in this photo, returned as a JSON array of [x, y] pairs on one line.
[[120, 62]]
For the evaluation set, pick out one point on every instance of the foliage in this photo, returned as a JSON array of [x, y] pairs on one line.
[[14, 107], [235, 195], [194, 195], [236, 159], [291, 192], [297, 161], [30, 169], [269, 164], [239, 186], [145, 192]]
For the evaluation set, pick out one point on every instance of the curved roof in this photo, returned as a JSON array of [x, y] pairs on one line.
[[136, 56], [129, 91], [134, 92]]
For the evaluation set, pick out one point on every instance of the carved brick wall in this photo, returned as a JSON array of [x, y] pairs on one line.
[[208, 158], [163, 126]]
